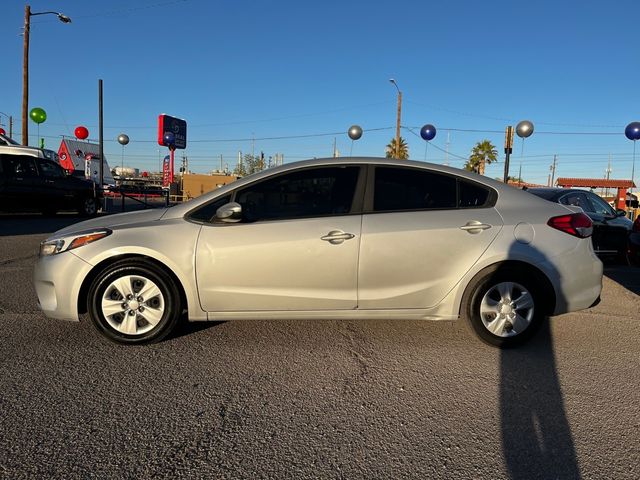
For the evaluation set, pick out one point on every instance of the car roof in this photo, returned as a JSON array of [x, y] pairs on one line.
[[21, 150]]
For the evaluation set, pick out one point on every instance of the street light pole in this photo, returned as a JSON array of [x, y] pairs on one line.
[[392, 80], [25, 67]]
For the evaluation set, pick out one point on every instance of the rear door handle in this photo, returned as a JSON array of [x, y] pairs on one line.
[[336, 237], [474, 227]]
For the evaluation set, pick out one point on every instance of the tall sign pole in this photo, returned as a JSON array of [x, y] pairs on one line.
[[25, 76], [100, 133], [172, 133], [508, 150]]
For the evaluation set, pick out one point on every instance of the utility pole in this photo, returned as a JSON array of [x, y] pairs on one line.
[[25, 66], [221, 163], [392, 80], [446, 149], [608, 173], [25, 76], [553, 170]]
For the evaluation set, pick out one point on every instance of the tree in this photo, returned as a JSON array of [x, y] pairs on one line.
[[390, 150], [250, 164], [482, 153]]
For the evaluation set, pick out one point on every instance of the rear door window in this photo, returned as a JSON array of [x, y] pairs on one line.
[[398, 189], [19, 166], [409, 189]]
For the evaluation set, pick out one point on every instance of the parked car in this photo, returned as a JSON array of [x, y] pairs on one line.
[[634, 242], [611, 228], [30, 182], [352, 238]]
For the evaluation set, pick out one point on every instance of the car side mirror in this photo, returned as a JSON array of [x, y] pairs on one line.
[[229, 213], [620, 213]]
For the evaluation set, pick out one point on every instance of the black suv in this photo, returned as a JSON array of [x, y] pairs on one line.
[[29, 183]]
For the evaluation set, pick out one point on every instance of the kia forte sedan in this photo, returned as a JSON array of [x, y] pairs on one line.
[[350, 238]]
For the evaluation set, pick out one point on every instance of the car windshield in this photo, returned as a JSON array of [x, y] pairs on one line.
[[5, 140]]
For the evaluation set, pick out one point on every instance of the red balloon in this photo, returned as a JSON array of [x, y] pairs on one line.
[[81, 132], [3, 131]]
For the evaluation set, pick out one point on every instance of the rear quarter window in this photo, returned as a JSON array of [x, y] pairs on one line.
[[472, 195]]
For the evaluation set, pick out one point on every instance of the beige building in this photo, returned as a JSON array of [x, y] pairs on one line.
[[194, 185]]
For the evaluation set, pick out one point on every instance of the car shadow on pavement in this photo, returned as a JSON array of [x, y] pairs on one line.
[[186, 327], [627, 276], [536, 437], [26, 224]]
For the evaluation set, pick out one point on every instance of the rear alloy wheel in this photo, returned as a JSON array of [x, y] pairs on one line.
[[504, 307], [134, 302], [88, 207]]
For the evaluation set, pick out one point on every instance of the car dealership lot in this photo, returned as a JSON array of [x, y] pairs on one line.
[[315, 399]]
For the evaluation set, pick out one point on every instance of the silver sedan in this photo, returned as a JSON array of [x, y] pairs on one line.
[[328, 239]]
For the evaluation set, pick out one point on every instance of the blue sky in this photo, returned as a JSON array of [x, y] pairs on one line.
[[237, 70]]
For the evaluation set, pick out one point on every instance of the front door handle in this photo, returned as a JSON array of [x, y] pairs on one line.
[[474, 227], [336, 237]]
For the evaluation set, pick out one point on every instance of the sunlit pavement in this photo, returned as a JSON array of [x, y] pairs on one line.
[[315, 399]]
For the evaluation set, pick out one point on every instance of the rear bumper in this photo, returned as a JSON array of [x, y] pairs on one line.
[[577, 278], [57, 280]]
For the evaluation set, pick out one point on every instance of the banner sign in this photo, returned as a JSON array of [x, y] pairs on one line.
[[166, 170], [172, 132]]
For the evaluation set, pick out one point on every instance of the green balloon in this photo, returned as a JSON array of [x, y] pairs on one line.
[[38, 115]]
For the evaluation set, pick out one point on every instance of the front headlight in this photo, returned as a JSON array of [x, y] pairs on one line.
[[79, 239]]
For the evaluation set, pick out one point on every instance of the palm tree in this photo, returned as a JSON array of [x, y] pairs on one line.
[[390, 149], [482, 153]]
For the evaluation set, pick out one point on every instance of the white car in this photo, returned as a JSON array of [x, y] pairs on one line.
[[329, 239]]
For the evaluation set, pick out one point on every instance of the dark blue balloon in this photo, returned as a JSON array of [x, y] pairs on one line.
[[632, 132], [428, 132], [169, 138]]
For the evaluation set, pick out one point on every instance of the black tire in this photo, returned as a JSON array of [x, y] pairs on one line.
[[88, 207], [148, 333], [487, 284]]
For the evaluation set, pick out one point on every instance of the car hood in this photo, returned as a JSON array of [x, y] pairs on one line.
[[112, 221]]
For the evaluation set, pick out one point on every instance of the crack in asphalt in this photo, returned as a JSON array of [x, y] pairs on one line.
[[17, 259]]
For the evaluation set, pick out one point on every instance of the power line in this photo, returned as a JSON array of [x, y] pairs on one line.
[[436, 146], [473, 130]]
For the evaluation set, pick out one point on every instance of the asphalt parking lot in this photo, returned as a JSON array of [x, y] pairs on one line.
[[321, 399]]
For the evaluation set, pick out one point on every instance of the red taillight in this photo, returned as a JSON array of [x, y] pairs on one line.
[[636, 225], [576, 224]]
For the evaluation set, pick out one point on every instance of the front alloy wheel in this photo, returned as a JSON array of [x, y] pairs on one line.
[[134, 301], [132, 305]]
